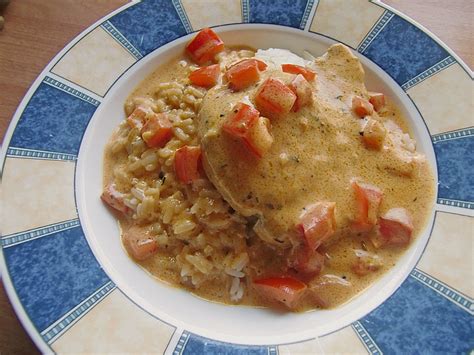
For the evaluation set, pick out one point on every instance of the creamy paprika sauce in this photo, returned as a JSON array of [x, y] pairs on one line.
[[259, 184]]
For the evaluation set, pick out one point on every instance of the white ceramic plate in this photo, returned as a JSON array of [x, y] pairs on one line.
[[64, 267]]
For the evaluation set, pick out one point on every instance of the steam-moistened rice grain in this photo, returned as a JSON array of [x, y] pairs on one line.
[[165, 152], [179, 133], [193, 91], [183, 226], [189, 99], [186, 122], [132, 203], [187, 114], [216, 222], [236, 290], [234, 273], [155, 192], [173, 92], [235, 285], [145, 208], [137, 164], [162, 239], [185, 270], [149, 159], [169, 85], [174, 100], [139, 194], [240, 262], [200, 263], [169, 207], [239, 294]]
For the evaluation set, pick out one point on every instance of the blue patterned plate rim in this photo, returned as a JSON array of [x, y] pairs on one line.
[[25, 319]]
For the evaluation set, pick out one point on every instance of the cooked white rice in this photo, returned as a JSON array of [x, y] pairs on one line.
[[192, 222]]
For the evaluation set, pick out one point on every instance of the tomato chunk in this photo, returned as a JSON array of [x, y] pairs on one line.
[[138, 117], [361, 107], [368, 200], [396, 227], [317, 223], [298, 69], [187, 162], [303, 91], [274, 98], [140, 246], [206, 77], [114, 199], [377, 100], [204, 46], [244, 73], [373, 134], [246, 124], [307, 261], [259, 138], [286, 290], [366, 263], [261, 65], [157, 131], [240, 119]]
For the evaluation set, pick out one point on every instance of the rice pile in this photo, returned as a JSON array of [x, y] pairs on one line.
[[192, 222]]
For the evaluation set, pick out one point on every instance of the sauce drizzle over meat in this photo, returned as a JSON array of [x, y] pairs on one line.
[[254, 183]]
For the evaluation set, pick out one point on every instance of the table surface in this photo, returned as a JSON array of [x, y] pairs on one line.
[[36, 30]]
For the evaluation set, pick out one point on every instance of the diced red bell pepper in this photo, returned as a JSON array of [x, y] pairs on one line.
[[259, 138], [206, 77], [303, 91], [157, 131], [114, 199], [286, 290], [306, 261], [373, 134], [187, 162], [365, 264], [274, 98], [138, 117], [361, 107], [377, 99], [260, 64], [396, 227], [244, 73], [204, 46], [368, 200], [139, 245], [244, 123], [298, 69], [317, 223], [240, 119]]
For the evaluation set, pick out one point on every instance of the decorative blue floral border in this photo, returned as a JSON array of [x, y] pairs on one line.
[[55, 330], [39, 154], [378, 26], [365, 337], [107, 26], [17, 238]]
